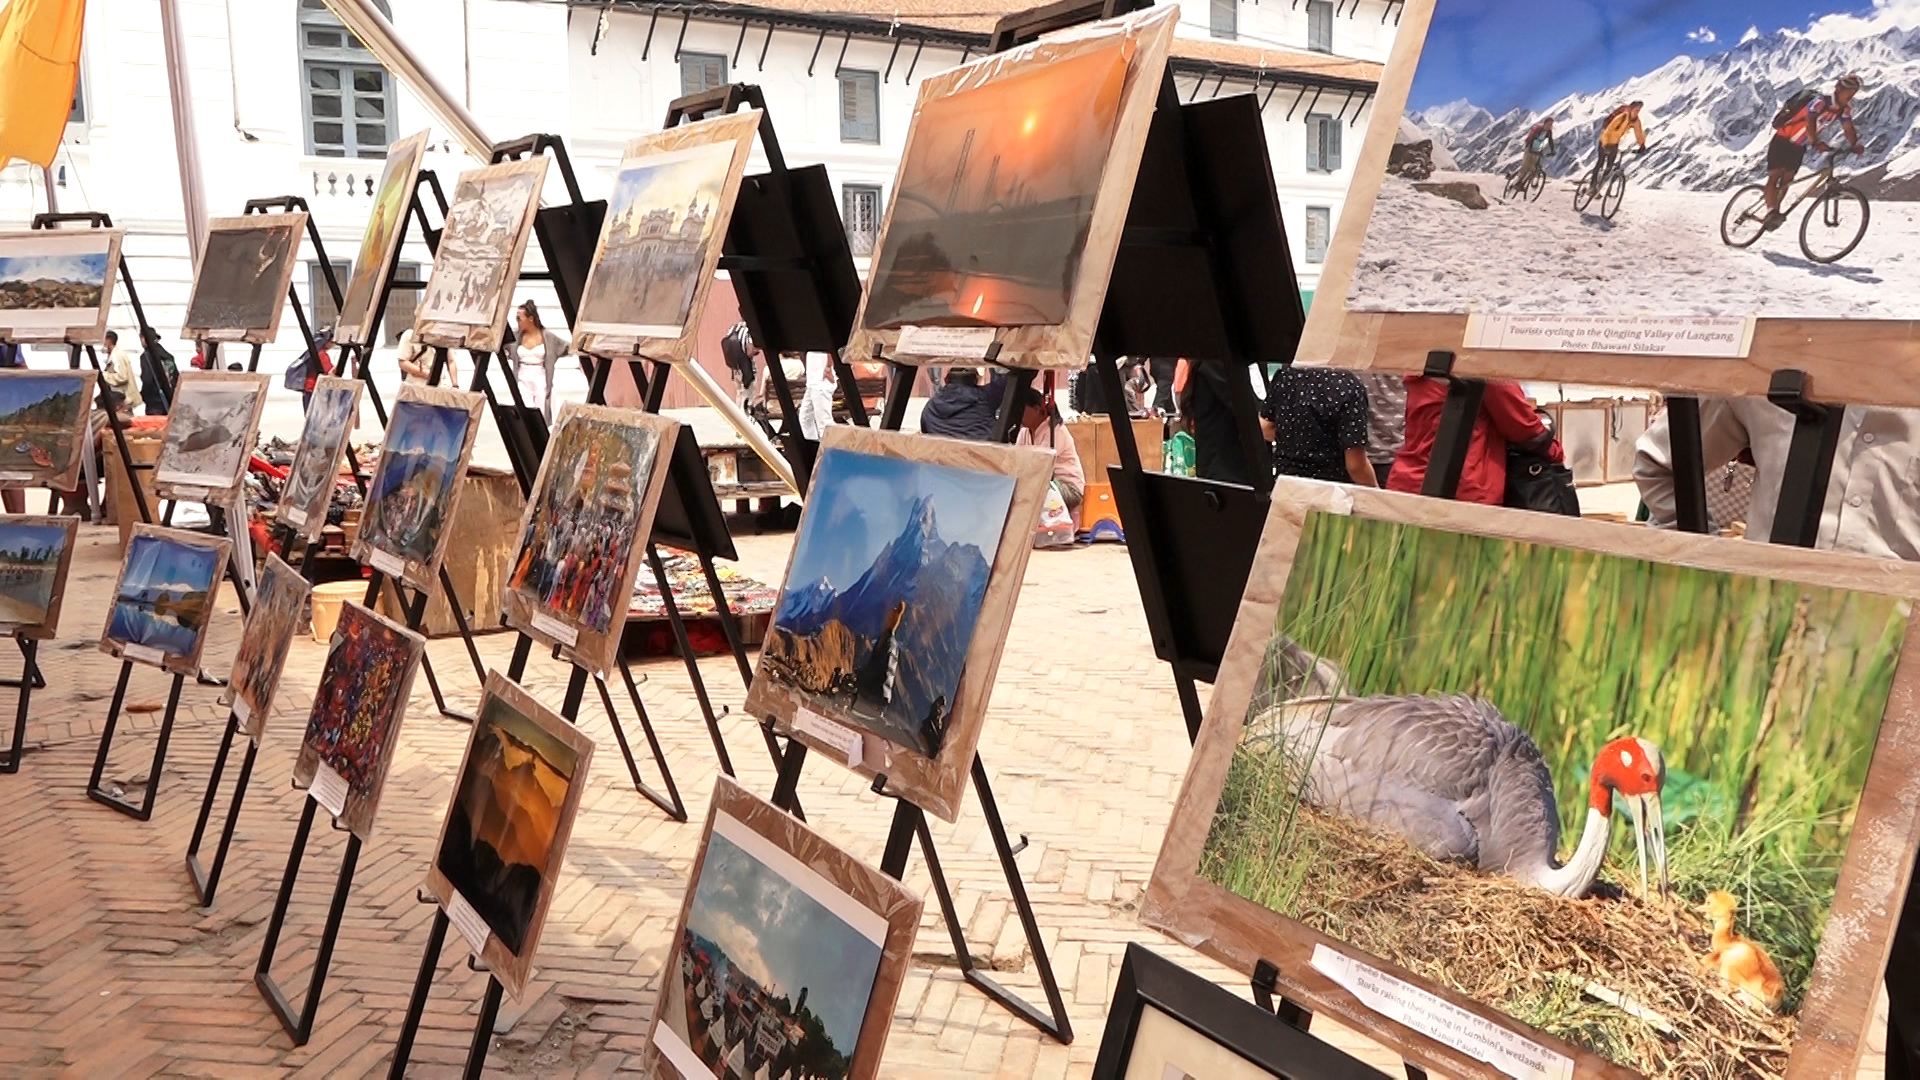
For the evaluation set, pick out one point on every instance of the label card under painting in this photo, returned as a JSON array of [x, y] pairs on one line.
[[189, 494], [387, 563], [329, 789], [958, 342], [555, 629], [1640, 335], [1513, 1054], [143, 654], [469, 922], [296, 516], [16, 477], [241, 710], [831, 732]]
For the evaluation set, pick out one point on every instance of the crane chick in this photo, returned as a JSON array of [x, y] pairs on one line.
[[1745, 966]]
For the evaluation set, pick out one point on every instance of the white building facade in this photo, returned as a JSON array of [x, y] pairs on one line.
[[287, 103]]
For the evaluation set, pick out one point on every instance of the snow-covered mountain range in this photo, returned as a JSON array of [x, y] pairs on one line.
[[1708, 119]]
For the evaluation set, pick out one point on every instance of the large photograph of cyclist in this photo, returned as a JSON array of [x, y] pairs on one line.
[[1694, 157]]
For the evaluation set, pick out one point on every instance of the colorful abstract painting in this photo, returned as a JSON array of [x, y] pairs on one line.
[[357, 710]]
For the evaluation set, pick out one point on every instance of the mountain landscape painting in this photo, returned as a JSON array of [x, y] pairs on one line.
[[411, 500], [506, 830], [884, 592], [316, 462], [357, 710], [1727, 91], [34, 556], [279, 606], [165, 595], [209, 434], [58, 284], [43, 416]]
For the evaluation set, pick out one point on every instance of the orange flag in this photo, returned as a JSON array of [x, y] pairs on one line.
[[39, 62]]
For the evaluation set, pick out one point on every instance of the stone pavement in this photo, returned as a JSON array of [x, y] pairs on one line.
[[109, 968]]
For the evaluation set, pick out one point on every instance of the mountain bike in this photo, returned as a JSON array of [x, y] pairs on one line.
[[1529, 188], [1834, 225], [1610, 189]]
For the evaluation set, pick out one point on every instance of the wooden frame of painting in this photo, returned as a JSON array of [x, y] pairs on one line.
[[316, 461], [833, 636], [375, 677], [17, 619], [278, 608], [386, 225], [1167, 1023], [1857, 360], [371, 544], [659, 175], [833, 897], [1276, 694], [470, 289], [626, 498], [231, 261], [1103, 78], [41, 436], [142, 614], [208, 480], [543, 735], [79, 256]]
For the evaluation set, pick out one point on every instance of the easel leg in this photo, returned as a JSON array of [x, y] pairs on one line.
[[670, 801], [206, 808], [29, 679], [206, 882], [417, 617], [422, 986], [483, 1031], [143, 811], [460, 620], [301, 1028], [685, 644]]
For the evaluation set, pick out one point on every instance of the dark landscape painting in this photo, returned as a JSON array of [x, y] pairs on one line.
[[660, 223], [420, 465], [239, 284], [505, 818], [995, 197], [42, 415], [161, 601], [278, 606], [888, 576], [316, 464], [52, 282], [768, 977], [357, 710], [33, 552]]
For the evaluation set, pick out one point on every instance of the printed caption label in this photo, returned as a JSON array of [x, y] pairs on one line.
[[833, 733], [1637, 335], [469, 923], [191, 494], [329, 789], [1395, 999], [294, 515], [555, 629], [241, 710], [144, 654], [387, 563], [16, 477], [958, 342]]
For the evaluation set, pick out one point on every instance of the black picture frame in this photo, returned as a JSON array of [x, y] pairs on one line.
[[1263, 1039]]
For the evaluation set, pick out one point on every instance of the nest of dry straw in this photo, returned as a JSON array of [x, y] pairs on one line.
[[1618, 975]]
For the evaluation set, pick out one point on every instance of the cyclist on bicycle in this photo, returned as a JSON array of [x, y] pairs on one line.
[[1613, 131], [1805, 121], [1538, 144]]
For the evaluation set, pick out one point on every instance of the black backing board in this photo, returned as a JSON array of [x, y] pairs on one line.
[[568, 234], [689, 511], [787, 308]]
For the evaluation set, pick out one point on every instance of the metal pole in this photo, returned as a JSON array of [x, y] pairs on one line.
[[724, 404], [380, 38], [186, 145]]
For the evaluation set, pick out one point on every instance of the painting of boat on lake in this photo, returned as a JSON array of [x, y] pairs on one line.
[[35, 553], [43, 418], [164, 598]]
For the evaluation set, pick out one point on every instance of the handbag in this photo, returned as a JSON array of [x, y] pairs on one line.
[[1537, 482]]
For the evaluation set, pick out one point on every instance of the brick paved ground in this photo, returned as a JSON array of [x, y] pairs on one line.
[[108, 967]]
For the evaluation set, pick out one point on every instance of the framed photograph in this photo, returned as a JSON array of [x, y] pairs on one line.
[[896, 603], [164, 598], [57, 285], [348, 746], [380, 244], [1646, 204], [788, 955], [209, 435], [279, 607], [416, 487], [316, 461], [474, 272], [666, 221], [1166, 1023], [43, 426], [1549, 795], [1012, 191], [240, 284], [584, 534], [505, 835], [36, 553]]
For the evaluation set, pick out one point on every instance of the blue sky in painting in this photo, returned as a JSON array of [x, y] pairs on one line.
[[89, 269], [858, 503], [157, 561]]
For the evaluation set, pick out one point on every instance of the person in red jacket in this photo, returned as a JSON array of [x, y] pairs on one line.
[[1506, 418]]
